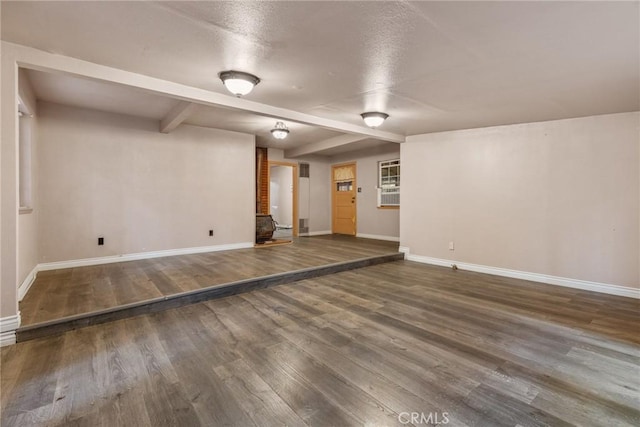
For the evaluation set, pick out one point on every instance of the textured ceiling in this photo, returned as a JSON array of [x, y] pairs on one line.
[[432, 66]]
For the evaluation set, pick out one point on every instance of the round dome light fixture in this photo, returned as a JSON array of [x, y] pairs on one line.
[[237, 82], [280, 131], [374, 119]]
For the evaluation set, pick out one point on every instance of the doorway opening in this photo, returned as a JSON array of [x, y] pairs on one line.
[[283, 198]]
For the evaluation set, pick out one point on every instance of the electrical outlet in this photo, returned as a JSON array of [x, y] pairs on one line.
[[100, 241], [451, 247], [210, 232]]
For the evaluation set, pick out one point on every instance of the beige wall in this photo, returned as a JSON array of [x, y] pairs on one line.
[[319, 196], [371, 220], [117, 177], [27, 244], [8, 187], [28, 221], [558, 198]]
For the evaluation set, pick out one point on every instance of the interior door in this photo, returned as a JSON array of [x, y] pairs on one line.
[[343, 183], [283, 197]]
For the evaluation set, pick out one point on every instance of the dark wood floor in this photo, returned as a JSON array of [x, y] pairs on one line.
[[362, 347], [67, 292]]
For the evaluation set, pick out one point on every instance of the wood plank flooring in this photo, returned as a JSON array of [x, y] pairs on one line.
[[67, 292], [45, 329], [374, 346]]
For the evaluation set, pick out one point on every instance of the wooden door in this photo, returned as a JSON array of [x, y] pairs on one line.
[[343, 184]]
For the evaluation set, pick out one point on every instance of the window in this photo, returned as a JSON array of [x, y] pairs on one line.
[[389, 183]]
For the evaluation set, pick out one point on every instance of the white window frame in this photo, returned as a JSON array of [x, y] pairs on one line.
[[388, 194]]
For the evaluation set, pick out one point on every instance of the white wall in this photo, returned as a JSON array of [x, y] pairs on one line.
[[117, 177], [559, 198], [281, 194], [371, 220]]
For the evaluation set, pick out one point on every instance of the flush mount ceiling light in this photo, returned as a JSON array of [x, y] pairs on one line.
[[374, 119], [238, 83], [280, 131]]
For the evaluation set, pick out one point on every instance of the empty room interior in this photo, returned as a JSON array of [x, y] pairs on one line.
[[320, 213]]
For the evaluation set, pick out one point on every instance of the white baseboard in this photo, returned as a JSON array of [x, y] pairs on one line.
[[8, 326], [317, 233], [605, 288], [141, 255], [403, 249], [26, 284], [378, 237]]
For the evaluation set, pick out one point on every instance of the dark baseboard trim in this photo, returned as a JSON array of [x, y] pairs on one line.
[[69, 323]]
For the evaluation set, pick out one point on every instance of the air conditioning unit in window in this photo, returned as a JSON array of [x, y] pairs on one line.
[[388, 197]]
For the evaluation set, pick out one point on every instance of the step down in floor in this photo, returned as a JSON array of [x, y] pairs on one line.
[[64, 324]]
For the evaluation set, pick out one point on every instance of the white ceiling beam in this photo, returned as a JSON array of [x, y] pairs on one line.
[[176, 116], [25, 92], [326, 144], [28, 57]]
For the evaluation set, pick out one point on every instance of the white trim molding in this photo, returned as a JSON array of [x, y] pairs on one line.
[[141, 255], [378, 237], [315, 233], [26, 284], [585, 285], [8, 326]]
